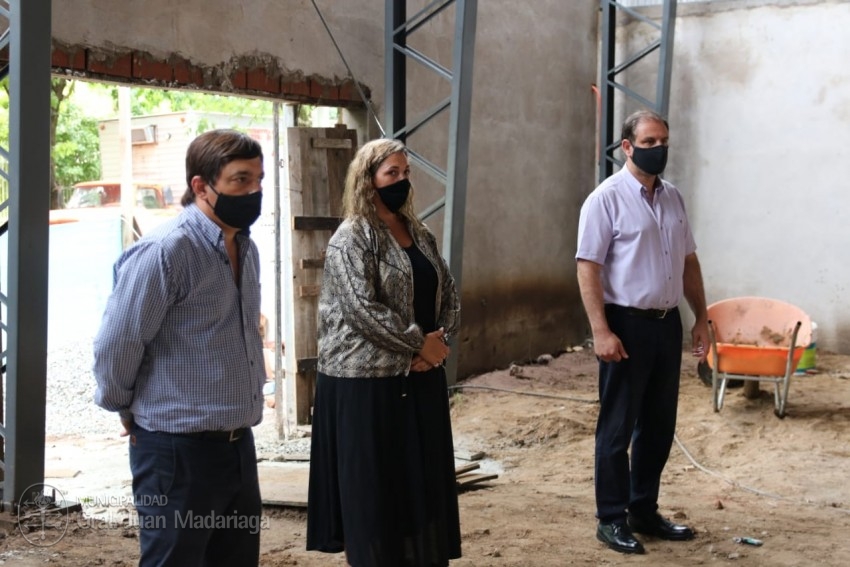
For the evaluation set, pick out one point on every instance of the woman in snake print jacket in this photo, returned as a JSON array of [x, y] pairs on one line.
[[382, 484]]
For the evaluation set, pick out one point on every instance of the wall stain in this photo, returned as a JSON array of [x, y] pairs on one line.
[[516, 321]]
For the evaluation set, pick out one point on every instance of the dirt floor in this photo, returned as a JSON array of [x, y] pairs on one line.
[[741, 472]]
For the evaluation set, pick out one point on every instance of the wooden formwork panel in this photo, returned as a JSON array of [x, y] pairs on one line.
[[318, 159]]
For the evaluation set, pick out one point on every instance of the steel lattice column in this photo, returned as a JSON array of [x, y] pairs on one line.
[[459, 103], [609, 70]]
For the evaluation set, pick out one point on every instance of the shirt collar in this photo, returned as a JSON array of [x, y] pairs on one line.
[[205, 225], [635, 185]]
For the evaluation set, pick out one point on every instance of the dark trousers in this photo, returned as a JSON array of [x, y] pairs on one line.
[[638, 401], [198, 500]]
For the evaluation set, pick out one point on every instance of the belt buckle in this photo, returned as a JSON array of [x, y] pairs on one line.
[[235, 435], [661, 313]]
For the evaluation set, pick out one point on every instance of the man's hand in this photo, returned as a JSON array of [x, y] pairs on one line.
[[127, 424], [608, 347], [699, 339]]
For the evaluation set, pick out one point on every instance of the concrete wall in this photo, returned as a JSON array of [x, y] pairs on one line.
[[271, 49], [531, 164], [759, 117], [532, 136]]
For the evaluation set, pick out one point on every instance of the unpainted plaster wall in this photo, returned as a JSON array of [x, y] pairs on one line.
[[531, 165], [532, 134], [759, 116]]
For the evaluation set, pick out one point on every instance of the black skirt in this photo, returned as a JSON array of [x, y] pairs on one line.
[[382, 480]]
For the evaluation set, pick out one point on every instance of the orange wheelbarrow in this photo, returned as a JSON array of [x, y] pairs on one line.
[[756, 339]]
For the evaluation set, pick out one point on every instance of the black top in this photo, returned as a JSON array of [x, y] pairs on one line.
[[424, 289]]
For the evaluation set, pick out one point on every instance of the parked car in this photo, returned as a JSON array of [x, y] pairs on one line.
[[100, 200]]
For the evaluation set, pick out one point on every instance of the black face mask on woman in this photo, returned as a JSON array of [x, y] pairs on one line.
[[238, 211], [650, 160], [395, 196]]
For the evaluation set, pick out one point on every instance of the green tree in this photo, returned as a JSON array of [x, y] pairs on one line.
[[76, 147], [74, 142], [152, 101]]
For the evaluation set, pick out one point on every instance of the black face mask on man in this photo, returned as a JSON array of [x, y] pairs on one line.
[[395, 196], [238, 211], [650, 160]]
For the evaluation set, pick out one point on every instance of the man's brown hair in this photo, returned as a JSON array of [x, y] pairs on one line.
[[211, 151]]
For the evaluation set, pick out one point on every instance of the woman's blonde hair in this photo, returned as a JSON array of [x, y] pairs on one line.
[[359, 188]]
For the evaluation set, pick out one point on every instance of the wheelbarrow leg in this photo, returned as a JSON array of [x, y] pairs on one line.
[[782, 398]]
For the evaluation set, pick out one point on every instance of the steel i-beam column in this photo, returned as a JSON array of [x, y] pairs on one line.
[[29, 189]]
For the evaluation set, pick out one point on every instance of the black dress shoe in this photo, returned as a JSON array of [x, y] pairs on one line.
[[618, 537], [662, 528]]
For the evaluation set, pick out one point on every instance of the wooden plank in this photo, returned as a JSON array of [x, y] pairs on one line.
[[469, 455], [309, 290], [284, 484], [284, 503], [294, 457], [312, 263], [61, 473], [332, 144], [315, 223], [315, 174], [338, 161], [469, 479], [318, 160], [306, 365], [463, 469], [299, 335]]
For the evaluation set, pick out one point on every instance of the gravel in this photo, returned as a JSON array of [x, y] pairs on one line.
[[71, 411]]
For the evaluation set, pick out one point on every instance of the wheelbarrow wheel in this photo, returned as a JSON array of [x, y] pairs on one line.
[[704, 374]]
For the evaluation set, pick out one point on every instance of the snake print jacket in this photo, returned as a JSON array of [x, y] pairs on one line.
[[366, 321]]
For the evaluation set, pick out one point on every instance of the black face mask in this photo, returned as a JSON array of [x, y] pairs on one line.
[[650, 160], [395, 196], [238, 211]]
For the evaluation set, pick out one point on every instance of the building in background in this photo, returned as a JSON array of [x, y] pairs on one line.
[[159, 143]]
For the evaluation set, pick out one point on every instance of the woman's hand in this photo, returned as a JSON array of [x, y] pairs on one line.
[[435, 350], [419, 364]]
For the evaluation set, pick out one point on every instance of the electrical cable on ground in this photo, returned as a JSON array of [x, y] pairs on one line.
[[734, 483], [365, 100], [756, 491], [679, 444]]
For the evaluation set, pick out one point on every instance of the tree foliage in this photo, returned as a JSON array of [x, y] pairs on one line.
[[147, 101], [75, 147]]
